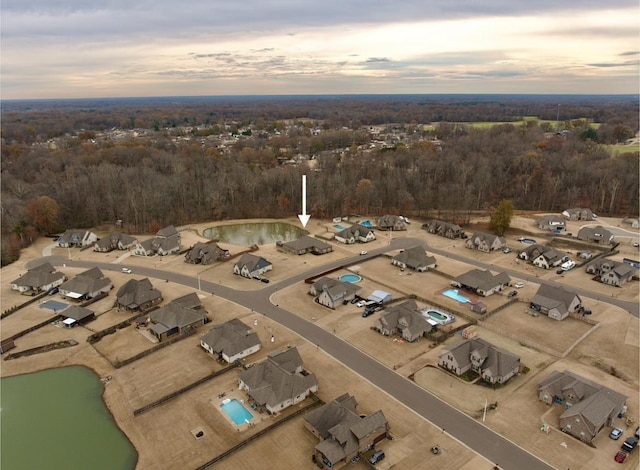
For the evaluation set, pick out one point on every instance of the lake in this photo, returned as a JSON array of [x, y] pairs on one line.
[[56, 419], [255, 233]]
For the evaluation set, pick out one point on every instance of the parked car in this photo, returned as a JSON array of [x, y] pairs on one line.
[[630, 444], [126, 270], [620, 456], [356, 299], [265, 280], [376, 457], [361, 303], [560, 271], [519, 285], [363, 252], [513, 293], [637, 434], [53, 291], [506, 250], [368, 312], [615, 434]]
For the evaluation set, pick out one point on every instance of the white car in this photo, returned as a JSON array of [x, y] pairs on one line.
[[363, 252], [519, 285], [126, 270], [361, 303]]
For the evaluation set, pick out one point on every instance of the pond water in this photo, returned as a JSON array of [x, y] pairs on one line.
[[255, 233], [57, 419]]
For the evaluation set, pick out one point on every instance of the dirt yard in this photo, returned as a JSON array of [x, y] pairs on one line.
[[165, 436]]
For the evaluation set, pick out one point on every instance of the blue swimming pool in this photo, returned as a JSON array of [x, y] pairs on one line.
[[339, 228], [366, 223], [456, 295], [236, 411], [352, 278], [439, 317]]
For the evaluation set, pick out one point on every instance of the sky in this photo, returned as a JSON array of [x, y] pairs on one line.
[[117, 48]]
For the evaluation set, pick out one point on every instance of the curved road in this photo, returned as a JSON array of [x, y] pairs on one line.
[[475, 435]]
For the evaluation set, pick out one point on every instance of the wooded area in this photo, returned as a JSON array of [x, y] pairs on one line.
[[157, 162]]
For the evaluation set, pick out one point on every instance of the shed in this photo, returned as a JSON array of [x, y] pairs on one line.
[[478, 307], [380, 296]]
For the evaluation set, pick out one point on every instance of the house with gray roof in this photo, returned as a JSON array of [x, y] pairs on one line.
[[403, 319], [482, 281], [543, 256], [443, 229], [278, 382], [391, 222], [231, 341], [333, 292], [138, 295], [305, 244], [343, 432], [590, 407], [251, 266], [205, 253], [115, 241], [355, 233], [551, 222], [614, 273], [178, 316], [414, 258], [86, 285], [599, 235], [485, 242], [165, 242], [556, 302], [579, 213], [38, 279], [74, 238], [494, 365]]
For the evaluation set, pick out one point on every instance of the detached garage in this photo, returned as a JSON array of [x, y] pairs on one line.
[[380, 296], [76, 315]]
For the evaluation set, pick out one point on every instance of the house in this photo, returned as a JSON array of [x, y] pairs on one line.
[[556, 302], [77, 316], [597, 234], [443, 229], [494, 365], [391, 222], [138, 295], [86, 285], [39, 279], [355, 233], [614, 273], [590, 407], [231, 341], [278, 382], [482, 281], [205, 253], [179, 316], [165, 242], [543, 256], [251, 266], [77, 239], [551, 222], [305, 244], [633, 221], [579, 214], [405, 320], [333, 292], [414, 258], [485, 242], [343, 432], [115, 241]]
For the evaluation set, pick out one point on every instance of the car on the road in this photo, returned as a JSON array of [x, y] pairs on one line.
[[615, 434], [513, 293], [506, 250], [363, 252], [52, 291], [519, 285], [126, 270], [376, 457], [361, 303], [620, 456]]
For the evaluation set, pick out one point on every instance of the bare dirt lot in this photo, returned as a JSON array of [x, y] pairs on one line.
[[164, 437]]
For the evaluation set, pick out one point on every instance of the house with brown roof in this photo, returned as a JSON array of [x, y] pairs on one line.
[[405, 320], [278, 382], [614, 273], [205, 253], [138, 295], [86, 285], [251, 266], [414, 258], [178, 316], [482, 281], [115, 241], [556, 302], [443, 229], [333, 292], [231, 341], [355, 233], [494, 365], [590, 407], [343, 432], [485, 242], [305, 244], [391, 222], [38, 279]]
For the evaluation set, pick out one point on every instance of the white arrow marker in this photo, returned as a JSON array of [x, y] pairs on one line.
[[304, 218]]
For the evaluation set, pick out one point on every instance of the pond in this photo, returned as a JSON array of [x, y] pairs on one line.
[[258, 233], [57, 419]]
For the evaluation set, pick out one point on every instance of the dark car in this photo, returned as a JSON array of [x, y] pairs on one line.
[[265, 280], [368, 312], [630, 444], [53, 291], [560, 271], [513, 293], [355, 300], [376, 457]]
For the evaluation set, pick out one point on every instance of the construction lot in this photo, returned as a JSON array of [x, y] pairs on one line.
[[164, 436]]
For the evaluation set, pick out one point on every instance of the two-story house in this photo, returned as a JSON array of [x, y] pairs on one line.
[[494, 365], [614, 273]]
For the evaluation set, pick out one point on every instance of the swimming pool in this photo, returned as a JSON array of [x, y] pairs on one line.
[[339, 228], [456, 295], [439, 317], [236, 411], [367, 224], [352, 278], [527, 241]]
